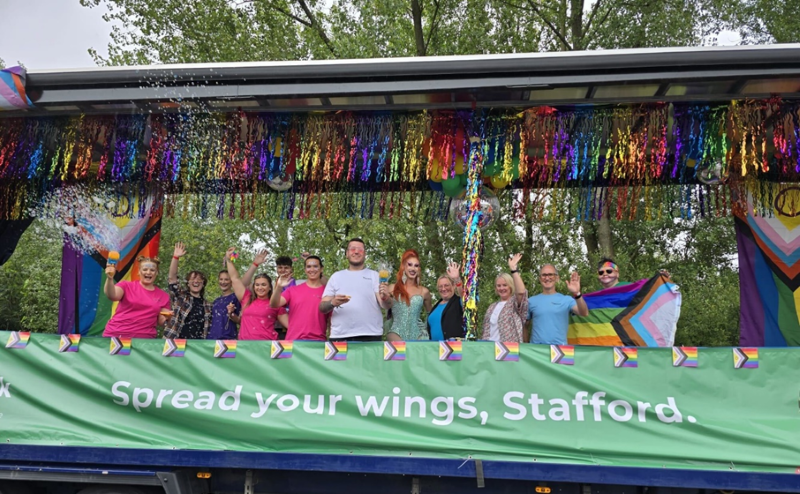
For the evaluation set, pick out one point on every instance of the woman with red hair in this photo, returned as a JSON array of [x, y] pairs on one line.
[[408, 298]]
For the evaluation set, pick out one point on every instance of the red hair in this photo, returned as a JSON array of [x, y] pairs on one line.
[[400, 292]]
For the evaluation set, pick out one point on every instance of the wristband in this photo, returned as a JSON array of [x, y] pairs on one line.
[[576, 297], [459, 283], [176, 258], [255, 264], [514, 271]]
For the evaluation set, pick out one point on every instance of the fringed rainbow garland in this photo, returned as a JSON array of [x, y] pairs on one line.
[[577, 163]]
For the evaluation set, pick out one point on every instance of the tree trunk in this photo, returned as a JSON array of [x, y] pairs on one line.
[[419, 36], [576, 24]]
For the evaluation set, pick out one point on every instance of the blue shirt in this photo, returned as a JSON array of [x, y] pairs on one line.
[[435, 321], [549, 315], [222, 328]]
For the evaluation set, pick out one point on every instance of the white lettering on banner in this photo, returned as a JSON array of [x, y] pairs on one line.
[[4, 389], [443, 408], [617, 410]]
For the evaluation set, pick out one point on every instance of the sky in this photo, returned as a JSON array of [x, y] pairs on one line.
[[51, 34], [57, 34]]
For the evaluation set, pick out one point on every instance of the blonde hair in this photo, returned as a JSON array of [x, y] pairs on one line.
[[508, 279], [154, 260]]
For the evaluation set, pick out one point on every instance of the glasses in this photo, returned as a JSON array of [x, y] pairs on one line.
[[547, 275], [355, 249], [607, 271]]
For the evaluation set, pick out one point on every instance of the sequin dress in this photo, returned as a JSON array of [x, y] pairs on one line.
[[406, 321]]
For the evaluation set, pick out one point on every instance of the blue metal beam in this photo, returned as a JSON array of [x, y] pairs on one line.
[[532, 471]]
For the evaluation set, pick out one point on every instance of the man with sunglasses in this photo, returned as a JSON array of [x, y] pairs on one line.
[[608, 273], [549, 311]]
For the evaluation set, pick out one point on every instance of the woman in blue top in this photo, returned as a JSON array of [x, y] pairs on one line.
[[446, 319]]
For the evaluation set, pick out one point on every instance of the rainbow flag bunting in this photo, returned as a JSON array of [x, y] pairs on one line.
[[745, 358], [335, 350], [120, 346], [450, 350], [18, 339], [562, 354], [282, 349], [225, 349], [506, 352], [626, 356], [394, 350], [174, 348], [684, 356], [69, 343]]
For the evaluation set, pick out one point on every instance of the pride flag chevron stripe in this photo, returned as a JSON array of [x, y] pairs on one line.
[[69, 343], [394, 350], [684, 356], [626, 356], [562, 354], [282, 349], [120, 346], [18, 339], [450, 350], [174, 348], [225, 349], [506, 351], [745, 358], [335, 350]]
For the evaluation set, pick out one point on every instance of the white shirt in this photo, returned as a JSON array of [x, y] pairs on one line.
[[361, 315], [494, 330]]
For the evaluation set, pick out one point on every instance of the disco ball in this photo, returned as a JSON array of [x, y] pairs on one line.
[[280, 184], [490, 207]]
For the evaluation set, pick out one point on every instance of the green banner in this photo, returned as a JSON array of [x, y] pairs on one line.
[[713, 416]]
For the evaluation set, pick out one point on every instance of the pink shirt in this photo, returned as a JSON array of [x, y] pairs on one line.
[[306, 322], [137, 312], [258, 319]]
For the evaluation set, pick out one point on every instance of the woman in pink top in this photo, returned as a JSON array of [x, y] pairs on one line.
[[258, 318], [142, 305]]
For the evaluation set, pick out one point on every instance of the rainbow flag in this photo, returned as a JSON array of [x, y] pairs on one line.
[[18, 339], [684, 356], [120, 346], [225, 349], [644, 313], [562, 354], [69, 343], [394, 350], [745, 358], [174, 348], [282, 349], [83, 307], [769, 272], [626, 356], [450, 350], [12, 89], [335, 350], [506, 352]]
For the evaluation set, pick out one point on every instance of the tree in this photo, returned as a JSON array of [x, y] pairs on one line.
[[771, 22]]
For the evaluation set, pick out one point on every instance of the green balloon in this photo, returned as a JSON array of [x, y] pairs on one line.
[[452, 187], [463, 179], [490, 170]]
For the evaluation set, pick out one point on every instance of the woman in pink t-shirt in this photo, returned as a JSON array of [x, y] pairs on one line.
[[141, 305], [258, 318]]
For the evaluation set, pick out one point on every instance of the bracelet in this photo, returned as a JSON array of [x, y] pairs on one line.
[[255, 264], [576, 297], [514, 271], [176, 258], [459, 284]]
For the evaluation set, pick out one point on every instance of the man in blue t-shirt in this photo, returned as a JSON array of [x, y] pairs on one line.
[[549, 311]]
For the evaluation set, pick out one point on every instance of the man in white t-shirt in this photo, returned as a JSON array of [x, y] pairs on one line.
[[354, 298]]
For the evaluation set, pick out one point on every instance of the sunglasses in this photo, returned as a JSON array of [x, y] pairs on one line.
[[607, 271]]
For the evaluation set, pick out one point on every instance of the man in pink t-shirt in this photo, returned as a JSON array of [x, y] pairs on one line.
[[306, 322]]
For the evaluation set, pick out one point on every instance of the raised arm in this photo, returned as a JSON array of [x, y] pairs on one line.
[[180, 251], [519, 285], [427, 300], [112, 291], [277, 299], [454, 273], [251, 271], [238, 286], [574, 287]]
